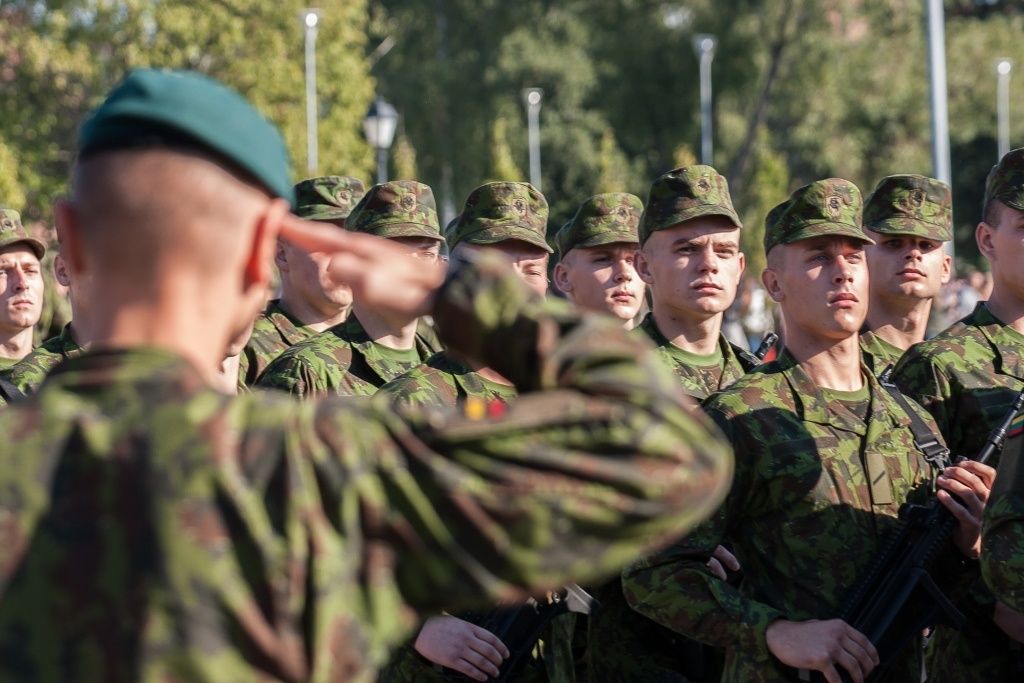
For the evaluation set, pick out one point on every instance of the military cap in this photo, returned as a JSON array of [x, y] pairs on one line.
[[328, 198], [501, 211], [1005, 181], [400, 208], [911, 205], [12, 232], [684, 194], [185, 109], [602, 219], [825, 207]]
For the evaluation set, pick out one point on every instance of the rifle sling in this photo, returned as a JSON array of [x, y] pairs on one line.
[[929, 443]]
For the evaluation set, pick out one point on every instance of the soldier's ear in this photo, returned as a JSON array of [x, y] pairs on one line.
[[643, 266], [60, 271], [947, 269], [770, 279], [983, 236], [281, 257], [562, 278]]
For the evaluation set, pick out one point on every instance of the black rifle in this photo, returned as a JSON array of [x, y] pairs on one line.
[[765, 346], [520, 626], [898, 598]]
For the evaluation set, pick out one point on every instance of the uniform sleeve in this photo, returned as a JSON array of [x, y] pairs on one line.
[[569, 484], [294, 374], [1002, 552], [918, 376], [676, 588]]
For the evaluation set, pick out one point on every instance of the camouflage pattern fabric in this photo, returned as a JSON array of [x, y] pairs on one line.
[[6, 363], [274, 332], [157, 530], [824, 207], [1002, 552], [607, 218], [877, 353], [684, 194], [1005, 182], [815, 487], [33, 368], [967, 377], [401, 208], [13, 232], [501, 211], [340, 361], [911, 205], [328, 198], [445, 382]]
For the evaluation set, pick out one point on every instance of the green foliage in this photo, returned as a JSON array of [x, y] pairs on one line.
[[11, 194], [405, 159]]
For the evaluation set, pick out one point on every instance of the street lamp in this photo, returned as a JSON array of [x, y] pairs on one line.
[[532, 97], [1003, 69], [704, 46], [310, 22], [935, 14], [379, 127]]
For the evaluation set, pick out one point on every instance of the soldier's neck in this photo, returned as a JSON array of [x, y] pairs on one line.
[[697, 335], [393, 332], [309, 315], [901, 322], [829, 363], [1007, 308], [18, 345]]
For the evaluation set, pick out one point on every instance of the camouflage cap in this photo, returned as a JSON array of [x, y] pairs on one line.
[[602, 219], [501, 211], [328, 198], [1005, 181], [911, 205], [12, 232], [400, 208], [825, 207], [684, 194]]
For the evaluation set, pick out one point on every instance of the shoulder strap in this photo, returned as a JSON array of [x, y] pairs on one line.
[[924, 438], [9, 392]]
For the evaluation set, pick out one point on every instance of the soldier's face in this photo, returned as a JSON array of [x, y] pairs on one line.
[[906, 266], [307, 274], [602, 279], [529, 261], [1003, 246], [21, 289], [821, 285], [693, 268]]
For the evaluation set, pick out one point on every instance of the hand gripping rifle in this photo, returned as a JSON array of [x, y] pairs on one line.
[[520, 626], [897, 598]]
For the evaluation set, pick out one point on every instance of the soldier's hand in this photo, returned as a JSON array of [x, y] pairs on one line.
[[1010, 621], [380, 272], [971, 483], [822, 646], [721, 560], [462, 646]]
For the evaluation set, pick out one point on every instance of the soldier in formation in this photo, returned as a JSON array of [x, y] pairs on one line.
[[21, 288]]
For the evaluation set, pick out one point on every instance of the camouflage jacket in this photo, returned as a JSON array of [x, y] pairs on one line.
[[340, 361], [445, 382], [157, 530], [699, 382], [967, 377], [877, 353], [816, 490], [1002, 553], [274, 331], [33, 368]]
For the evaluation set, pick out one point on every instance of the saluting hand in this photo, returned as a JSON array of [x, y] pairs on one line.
[[971, 483], [462, 646]]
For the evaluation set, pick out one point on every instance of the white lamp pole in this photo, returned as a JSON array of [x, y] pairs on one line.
[[310, 22], [1003, 69], [704, 46], [533, 97]]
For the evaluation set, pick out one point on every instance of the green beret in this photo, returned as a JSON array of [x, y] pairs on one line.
[[1005, 181], [684, 194], [825, 207], [502, 211], [328, 198], [911, 205], [186, 109], [401, 208], [12, 232], [602, 219]]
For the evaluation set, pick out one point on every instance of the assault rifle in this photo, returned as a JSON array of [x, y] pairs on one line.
[[765, 346], [520, 626], [898, 598]]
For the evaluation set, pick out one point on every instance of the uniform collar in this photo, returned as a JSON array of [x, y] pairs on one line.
[[1005, 346]]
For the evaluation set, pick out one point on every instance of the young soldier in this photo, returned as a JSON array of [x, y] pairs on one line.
[[827, 456], [909, 217], [311, 301], [597, 251], [21, 288], [967, 378], [155, 529], [357, 357]]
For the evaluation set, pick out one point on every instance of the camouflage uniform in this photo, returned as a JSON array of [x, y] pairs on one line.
[[610, 218], [33, 368], [1002, 552], [156, 530], [878, 354], [328, 199], [444, 382], [12, 232], [816, 491], [343, 360]]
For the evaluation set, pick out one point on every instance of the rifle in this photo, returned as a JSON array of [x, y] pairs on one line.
[[520, 626], [897, 598], [765, 346]]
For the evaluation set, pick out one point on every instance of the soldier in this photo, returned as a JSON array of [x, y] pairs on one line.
[[909, 217], [596, 253], [311, 301], [1002, 549], [21, 288], [509, 219], [967, 377], [155, 529], [828, 457], [357, 357]]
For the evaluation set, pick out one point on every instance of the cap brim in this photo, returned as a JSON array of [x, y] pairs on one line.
[[505, 233], [37, 247], [909, 226], [601, 239], [317, 213], [392, 230], [703, 211], [830, 230]]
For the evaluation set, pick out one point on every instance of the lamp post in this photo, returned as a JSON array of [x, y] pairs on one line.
[[310, 22], [941, 165], [1003, 69], [379, 128], [532, 97], [704, 46]]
